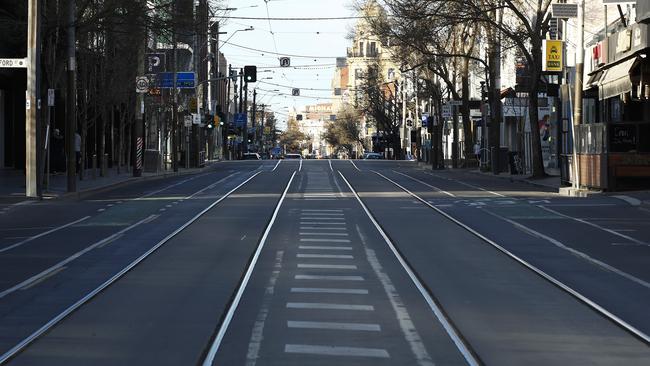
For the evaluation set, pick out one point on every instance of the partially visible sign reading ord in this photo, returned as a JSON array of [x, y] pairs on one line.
[[13, 63]]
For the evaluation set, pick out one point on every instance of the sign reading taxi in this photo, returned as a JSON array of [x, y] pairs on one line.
[[553, 55]]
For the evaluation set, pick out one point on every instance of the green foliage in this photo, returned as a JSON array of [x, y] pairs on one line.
[[293, 139], [345, 132]]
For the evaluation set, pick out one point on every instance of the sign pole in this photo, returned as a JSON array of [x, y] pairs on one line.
[[32, 183], [577, 103]]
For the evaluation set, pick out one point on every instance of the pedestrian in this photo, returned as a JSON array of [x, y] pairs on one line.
[[77, 151], [477, 152]]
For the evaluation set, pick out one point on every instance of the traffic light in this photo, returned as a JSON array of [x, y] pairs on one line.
[[250, 74]]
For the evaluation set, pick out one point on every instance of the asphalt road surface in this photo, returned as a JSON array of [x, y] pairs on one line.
[[319, 262]]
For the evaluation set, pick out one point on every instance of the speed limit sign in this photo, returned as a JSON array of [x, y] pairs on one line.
[[141, 84]]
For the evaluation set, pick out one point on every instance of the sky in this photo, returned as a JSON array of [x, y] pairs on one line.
[[321, 40]]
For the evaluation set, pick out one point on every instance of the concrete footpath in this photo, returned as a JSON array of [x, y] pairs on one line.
[[12, 182]]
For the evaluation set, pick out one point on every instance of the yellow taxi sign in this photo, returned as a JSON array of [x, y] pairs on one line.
[[553, 55]]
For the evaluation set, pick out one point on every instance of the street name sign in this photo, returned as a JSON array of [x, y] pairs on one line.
[[564, 11], [13, 63], [184, 80]]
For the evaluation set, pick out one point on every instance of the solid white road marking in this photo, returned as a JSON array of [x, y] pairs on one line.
[[314, 210], [326, 306], [300, 167], [330, 161], [334, 326], [212, 352], [467, 185], [336, 351], [451, 331], [426, 184], [321, 223], [631, 200], [327, 266], [322, 218], [314, 290], [327, 278], [43, 234], [596, 226], [354, 165], [80, 253], [325, 256], [276, 165], [575, 252], [526, 264], [43, 279]]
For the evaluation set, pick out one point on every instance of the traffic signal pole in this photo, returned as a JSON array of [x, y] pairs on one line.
[[32, 105]]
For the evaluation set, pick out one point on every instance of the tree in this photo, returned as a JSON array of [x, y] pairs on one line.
[[292, 138], [345, 132]]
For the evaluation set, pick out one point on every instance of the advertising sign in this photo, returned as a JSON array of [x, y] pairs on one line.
[[553, 55]]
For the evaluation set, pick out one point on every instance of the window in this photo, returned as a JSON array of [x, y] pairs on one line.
[[360, 49], [358, 73], [372, 49], [391, 74]]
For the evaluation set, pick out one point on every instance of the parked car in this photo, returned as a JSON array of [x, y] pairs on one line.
[[373, 156], [251, 156]]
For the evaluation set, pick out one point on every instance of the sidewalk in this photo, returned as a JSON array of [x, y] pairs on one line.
[[551, 181], [12, 182]]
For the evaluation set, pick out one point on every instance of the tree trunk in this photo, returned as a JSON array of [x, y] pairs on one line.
[[533, 115], [467, 123]]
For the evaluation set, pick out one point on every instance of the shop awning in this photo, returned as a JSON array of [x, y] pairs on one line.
[[616, 80], [593, 79]]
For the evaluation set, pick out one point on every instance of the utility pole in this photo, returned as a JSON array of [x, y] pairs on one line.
[[174, 94], [71, 101], [495, 95], [577, 104], [32, 105], [138, 128], [245, 111], [254, 116]]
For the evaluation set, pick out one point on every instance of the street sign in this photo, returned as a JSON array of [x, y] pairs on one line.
[[196, 118], [564, 11], [187, 121], [446, 111], [295, 92], [50, 97], [184, 80], [240, 120], [154, 63], [13, 63], [455, 102], [285, 61], [553, 55], [141, 84]]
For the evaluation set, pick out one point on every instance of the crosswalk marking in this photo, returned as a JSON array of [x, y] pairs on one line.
[[328, 278], [326, 306], [336, 351], [327, 266], [363, 327], [315, 290], [328, 256], [323, 247]]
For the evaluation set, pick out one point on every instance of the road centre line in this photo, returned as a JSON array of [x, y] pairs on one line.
[[326, 266], [80, 253], [425, 183], [464, 349], [25, 342], [631, 329], [16, 245], [354, 165], [214, 347], [596, 226], [327, 306], [363, 327], [323, 247], [325, 256], [336, 351], [327, 278], [317, 290]]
